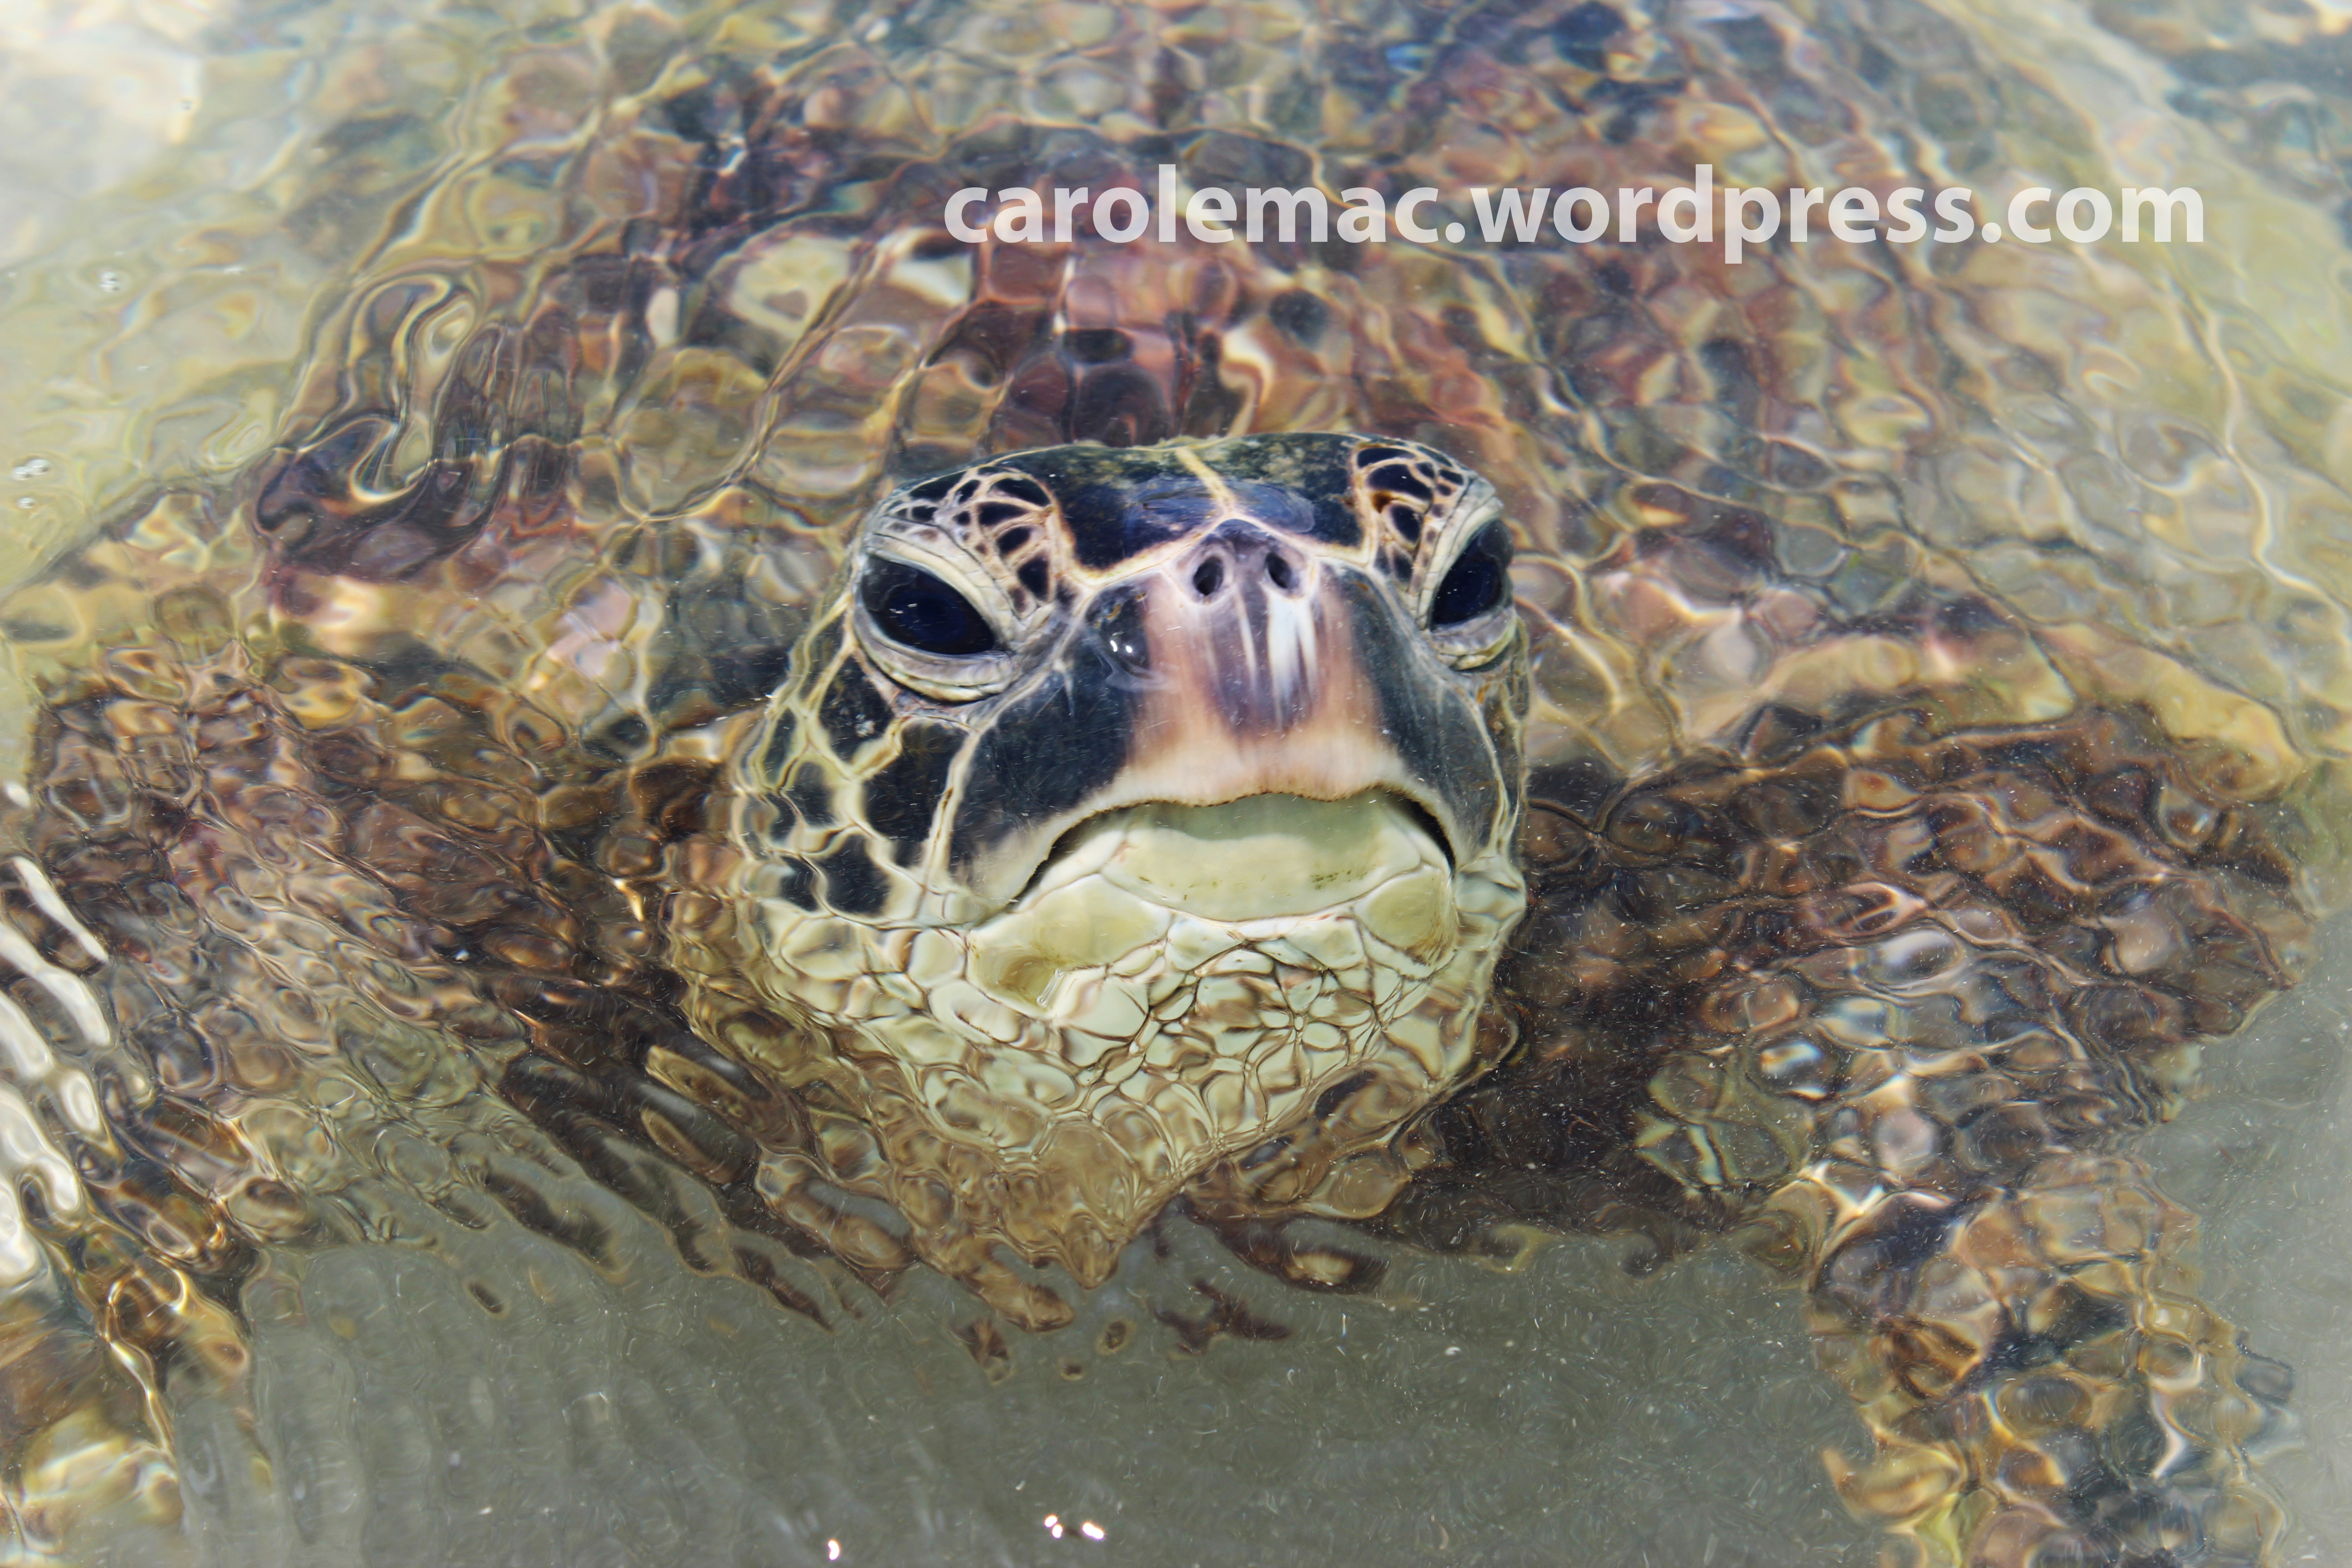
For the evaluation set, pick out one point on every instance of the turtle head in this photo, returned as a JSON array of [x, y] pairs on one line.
[[1135, 818]]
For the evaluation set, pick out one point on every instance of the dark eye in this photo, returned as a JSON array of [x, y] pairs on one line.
[[1480, 581], [914, 607]]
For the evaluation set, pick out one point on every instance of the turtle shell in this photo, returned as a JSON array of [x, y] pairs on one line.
[[1934, 684]]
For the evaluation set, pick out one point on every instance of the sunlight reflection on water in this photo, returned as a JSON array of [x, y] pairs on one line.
[[153, 278]]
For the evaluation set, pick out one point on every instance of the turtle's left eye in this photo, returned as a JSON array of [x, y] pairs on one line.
[[913, 608], [1479, 580]]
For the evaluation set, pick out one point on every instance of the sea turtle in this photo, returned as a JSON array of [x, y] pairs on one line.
[[907, 752]]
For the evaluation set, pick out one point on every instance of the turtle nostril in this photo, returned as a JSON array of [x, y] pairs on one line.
[[1278, 568], [1207, 576]]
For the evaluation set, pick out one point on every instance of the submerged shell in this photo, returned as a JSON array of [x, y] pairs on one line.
[[1941, 669]]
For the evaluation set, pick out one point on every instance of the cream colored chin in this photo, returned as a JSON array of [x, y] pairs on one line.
[[1178, 983], [1250, 860]]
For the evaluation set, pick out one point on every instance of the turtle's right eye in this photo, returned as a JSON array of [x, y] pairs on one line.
[[912, 608]]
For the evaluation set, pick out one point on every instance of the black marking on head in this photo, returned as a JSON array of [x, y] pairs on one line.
[[1049, 750], [991, 513], [934, 489], [853, 713], [1400, 479], [1116, 504], [1033, 576], [1318, 469], [822, 644], [1441, 740], [798, 885], [1025, 490], [1099, 489], [779, 830], [853, 885], [779, 749], [903, 797], [1111, 524], [1406, 522], [1095, 516], [811, 793], [1011, 539]]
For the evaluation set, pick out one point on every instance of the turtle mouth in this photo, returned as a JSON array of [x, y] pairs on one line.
[[1255, 858], [1330, 885]]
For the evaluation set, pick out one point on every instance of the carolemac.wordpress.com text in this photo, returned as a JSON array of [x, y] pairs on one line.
[[1702, 213]]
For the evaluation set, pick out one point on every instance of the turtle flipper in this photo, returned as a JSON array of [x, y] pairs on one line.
[[2040, 1382], [1892, 1000], [109, 1267]]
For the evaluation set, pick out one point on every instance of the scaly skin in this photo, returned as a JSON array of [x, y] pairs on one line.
[[1934, 680]]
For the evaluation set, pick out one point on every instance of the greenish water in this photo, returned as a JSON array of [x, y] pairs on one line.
[[167, 246]]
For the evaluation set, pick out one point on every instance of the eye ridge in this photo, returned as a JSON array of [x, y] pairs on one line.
[[922, 611], [1477, 581]]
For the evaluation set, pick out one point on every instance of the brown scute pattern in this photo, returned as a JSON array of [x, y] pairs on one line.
[[1884, 1009], [1002, 517], [316, 873], [373, 911], [1403, 488]]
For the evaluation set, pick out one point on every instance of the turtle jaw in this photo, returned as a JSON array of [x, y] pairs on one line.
[[1182, 991]]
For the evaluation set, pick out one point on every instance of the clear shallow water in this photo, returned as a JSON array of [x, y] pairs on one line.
[[1564, 1414], [654, 1417]]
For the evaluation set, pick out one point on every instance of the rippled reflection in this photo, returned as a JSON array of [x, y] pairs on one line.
[[1938, 678]]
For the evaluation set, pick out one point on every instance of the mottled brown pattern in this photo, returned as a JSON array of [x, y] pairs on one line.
[[1935, 710]]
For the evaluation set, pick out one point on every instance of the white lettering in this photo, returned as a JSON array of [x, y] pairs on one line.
[[1738, 228], [2073, 202], [1135, 207], [1852, 212], [957, 203], [1066, 202], [1593, 201], [1409, 203], [1700, 199], [1318, 212], [2162, 203], [1903, 207], [1365, 219], [1521, 217], [1959, 217], [2017, 205], [1207, 214], [1628, 213], [1802, 204], [1021, 218]]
